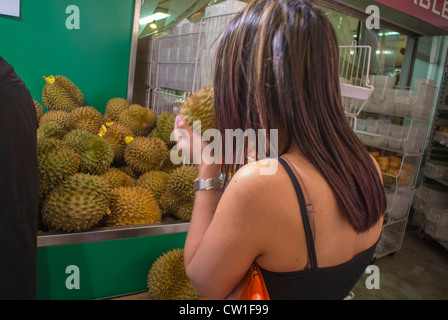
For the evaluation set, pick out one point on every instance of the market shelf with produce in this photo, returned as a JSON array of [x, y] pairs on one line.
[[105, 178]]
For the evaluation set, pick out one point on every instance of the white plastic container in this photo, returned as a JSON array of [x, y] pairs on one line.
[[417, 83], [189, 27], [397, 135], [419, 219], [383, 132], [229, 6], [390, 199], [384, 127], [395, 144], [433, 196], [380, 84], [396, 131], [425, 92], [435, 171], [436, 231], [176, 30], [360, 124], [415, 140], [372, 125], [437, 214], [419, 205], [382, 81], [401, 204]]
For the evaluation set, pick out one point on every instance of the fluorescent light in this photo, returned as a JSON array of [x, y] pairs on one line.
[[384, 52], [388, 34], [154, 17]]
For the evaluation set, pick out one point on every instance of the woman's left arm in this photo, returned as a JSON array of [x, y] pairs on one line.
[[223, 238]]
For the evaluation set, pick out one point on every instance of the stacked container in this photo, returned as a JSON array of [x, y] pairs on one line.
[[177, 58], [182, 61], [431, 213], [394, 124]]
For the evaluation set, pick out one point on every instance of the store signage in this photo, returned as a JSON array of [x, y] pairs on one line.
[[434, 12], [10, 8]]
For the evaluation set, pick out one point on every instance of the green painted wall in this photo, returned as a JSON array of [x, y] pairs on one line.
[[95, 57], [106, 268]]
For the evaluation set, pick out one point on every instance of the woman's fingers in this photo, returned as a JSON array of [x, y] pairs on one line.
[[186, 139]]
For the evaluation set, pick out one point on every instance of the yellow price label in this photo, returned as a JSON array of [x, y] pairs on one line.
[[128, 139], [50, 79], [102, 131]]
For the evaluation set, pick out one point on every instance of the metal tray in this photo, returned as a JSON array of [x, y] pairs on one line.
[[50, 239]]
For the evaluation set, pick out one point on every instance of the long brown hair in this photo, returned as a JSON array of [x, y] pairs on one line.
[[276, 66]]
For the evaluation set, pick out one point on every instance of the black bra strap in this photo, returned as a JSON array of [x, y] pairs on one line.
[[303, 211]]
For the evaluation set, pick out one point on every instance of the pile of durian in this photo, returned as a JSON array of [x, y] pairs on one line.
[[167, 279], [112, 169]]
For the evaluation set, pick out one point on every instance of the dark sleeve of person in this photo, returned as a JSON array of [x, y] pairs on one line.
[[19, 187]]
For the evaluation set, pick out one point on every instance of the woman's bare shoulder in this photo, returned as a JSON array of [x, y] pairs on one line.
[[256, 174]]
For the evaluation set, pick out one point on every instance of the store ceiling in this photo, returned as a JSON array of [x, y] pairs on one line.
[[177, 10]]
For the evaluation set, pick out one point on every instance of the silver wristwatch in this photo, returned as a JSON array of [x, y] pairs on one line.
[[207, 184]]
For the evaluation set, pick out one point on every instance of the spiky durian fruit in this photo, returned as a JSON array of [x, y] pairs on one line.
[[51, 130], [114, 107], [164, 127], [139, 119], [184, 210], [145, 154], [86, 118], [115, 135], [200, 107], [117, 178], [181, 208], [155, 181], [129, 172], [39, 110], [167, 279], [179, 199], [132, 205], [60, 117], [77, 204], [169, 203], [60, 93], [168, 165], [96, 154], [182, 181], [56, 162]]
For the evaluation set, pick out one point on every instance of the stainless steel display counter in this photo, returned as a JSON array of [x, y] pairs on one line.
[[49, 239]]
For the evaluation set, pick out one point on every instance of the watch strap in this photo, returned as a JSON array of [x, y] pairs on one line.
[[207, 184]]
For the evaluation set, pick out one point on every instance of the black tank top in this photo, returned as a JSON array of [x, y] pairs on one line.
[[314, 283]]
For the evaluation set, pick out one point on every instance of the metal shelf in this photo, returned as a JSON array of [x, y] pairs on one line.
[[442, 181], [51, 239]]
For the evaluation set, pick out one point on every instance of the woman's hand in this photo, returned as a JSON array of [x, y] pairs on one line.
[[190, 143]]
